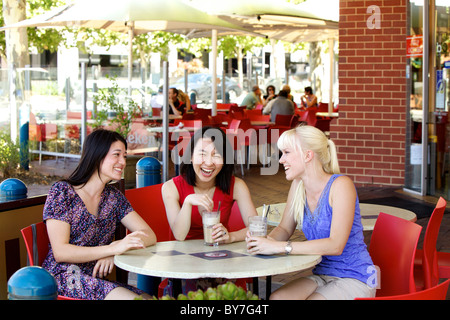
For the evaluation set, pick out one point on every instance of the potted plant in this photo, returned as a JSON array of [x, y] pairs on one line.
[[117, 111]]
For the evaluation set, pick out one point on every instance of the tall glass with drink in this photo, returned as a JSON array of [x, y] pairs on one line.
[[257, 225], [209, 219]]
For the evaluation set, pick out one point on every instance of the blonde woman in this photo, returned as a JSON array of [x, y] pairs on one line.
[[325, 206]]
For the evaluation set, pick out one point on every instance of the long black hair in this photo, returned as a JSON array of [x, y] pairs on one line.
[[95, 149], [222, 145]]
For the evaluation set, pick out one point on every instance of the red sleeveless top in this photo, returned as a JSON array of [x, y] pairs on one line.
[[226, 200]]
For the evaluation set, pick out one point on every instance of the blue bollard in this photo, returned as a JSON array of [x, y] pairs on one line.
[[32, 283], [148, 173], [12, 189], [193, 98]]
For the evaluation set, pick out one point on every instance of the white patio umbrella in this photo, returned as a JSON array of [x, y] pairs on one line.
[[136, 17]]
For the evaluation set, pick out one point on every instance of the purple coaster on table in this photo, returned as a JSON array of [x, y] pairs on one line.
[[169, 253], [374, 216], [219, 254]]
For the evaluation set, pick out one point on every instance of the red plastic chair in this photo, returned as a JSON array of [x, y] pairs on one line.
[[149, 204], [392, 248], [438, 292], [246, 137], [37, 245], [283, 120], [426, 262], [250, 113]]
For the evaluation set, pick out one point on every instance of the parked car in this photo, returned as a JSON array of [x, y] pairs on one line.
[[200, 84]]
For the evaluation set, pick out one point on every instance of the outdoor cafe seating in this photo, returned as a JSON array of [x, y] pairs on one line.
[[393, 246]]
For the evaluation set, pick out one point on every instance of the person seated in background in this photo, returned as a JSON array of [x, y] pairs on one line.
[[280, 105], [287, 88], [176, 106], [309, 100], [252, 99], [157, 100], [270, 95], [184, 98]]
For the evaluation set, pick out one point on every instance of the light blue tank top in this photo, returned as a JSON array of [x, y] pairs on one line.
[[355, 261]]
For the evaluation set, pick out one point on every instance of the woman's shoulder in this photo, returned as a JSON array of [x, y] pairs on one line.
[[169, 188], [342, 183], [61, 186]]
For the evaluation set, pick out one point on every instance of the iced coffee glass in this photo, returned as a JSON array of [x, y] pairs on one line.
[[209, 219], [257, 225]]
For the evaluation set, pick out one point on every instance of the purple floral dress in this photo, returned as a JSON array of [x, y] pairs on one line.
[[64, 204]]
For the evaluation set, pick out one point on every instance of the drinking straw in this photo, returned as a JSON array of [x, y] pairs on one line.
[[267, 212], [218, 208]]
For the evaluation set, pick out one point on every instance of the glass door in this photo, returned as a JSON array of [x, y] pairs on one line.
[[415, 104], [439, 102]]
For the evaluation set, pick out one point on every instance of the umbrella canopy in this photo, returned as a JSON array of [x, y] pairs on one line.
[[135, 17], [312, 20], [143, 15]]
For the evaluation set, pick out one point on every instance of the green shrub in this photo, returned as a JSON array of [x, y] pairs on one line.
[[9, 155]]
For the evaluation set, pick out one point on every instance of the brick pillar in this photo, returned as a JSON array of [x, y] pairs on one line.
[[370, 131]]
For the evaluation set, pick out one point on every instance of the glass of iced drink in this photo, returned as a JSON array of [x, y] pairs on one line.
[[209, 219], [257, 225]]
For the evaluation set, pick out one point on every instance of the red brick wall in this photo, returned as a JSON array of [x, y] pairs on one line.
[[370, 131]]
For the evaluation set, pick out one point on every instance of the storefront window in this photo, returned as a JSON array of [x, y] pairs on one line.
[[427, 148], [413, 159]]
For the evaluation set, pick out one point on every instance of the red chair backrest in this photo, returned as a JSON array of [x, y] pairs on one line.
[[234, 125], [323, 107], [311, 118], [149, 204], [41, 243], [392, 248], [294, 121], [188, 116], [254, 112], [235, 221], [283, 120], [37, 246], [429, 260], [438, 292], [156, 112]]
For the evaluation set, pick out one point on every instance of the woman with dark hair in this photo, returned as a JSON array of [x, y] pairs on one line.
[[206, 178], [309, 99], [81, 214], [270, 95]]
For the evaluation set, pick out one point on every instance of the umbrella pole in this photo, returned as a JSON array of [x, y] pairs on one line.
[[331, 51], [130, 55], [165, 123], [214, 72]]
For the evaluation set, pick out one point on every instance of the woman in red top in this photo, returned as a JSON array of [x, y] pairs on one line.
[[206, 177]]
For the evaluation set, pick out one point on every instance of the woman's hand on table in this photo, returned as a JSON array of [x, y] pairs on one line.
[[131, 241], [263, 245]]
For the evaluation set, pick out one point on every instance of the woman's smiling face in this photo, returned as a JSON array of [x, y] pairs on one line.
[[206, 160], [114, 163]]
